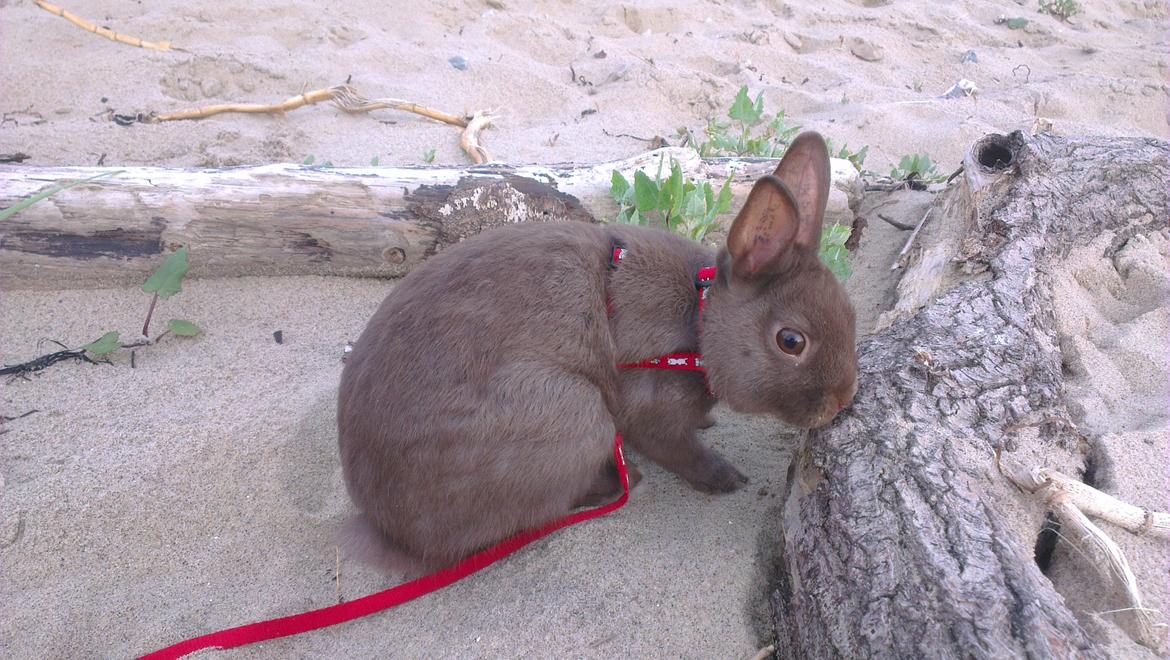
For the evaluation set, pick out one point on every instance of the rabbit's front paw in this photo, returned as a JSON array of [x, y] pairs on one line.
[[719, 476]]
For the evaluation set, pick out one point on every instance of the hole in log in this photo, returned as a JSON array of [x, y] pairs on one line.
[[1046, 542], [394, 255], [995, 154], [1049, 534]]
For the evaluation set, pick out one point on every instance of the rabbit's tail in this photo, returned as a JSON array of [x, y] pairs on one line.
[[362, 541]]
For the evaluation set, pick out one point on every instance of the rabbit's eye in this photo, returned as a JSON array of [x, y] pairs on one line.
[[790, 341]]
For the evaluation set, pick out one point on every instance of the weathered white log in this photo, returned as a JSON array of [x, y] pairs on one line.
[[293, 219]]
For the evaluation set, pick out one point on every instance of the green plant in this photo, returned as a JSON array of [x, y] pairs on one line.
[[676, 203], [429, 156], [687, 208], [164, 283], [833, 251], [737, 138], [1062, 9], [374, 161], [917, 167], [310, 159], [855, 157]]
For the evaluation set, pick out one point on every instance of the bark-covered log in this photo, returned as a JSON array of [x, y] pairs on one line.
[[293, 220], [896, 534]]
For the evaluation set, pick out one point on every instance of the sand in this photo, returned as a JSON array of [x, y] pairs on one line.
[[201, 489]]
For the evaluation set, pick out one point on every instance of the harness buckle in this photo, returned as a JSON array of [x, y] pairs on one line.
[[617, 252]]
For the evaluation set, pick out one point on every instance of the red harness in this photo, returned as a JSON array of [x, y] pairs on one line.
[[671, 361], [403, 593]]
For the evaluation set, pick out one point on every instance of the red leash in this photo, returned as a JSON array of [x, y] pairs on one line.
[[403, 593], [330, 616]]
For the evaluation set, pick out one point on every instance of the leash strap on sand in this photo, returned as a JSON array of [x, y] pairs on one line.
[[403, 593]]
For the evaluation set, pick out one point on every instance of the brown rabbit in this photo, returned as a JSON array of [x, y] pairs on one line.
[[483, 397]]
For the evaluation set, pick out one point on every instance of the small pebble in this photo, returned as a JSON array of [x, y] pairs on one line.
[[865, 50], [969, 56], [960, 89], [278, 336], [459, 62]]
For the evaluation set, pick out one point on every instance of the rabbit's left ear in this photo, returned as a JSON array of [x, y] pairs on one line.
[[764, 232], [805, 171]]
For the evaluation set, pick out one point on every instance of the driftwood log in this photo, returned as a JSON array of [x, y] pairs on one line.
[[895, 533], [299, 220]]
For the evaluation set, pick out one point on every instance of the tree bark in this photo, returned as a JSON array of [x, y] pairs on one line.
[[295, 220], [899, 538]]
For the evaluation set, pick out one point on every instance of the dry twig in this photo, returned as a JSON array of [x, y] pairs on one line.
[[44, 362], [1069, 501], [469, 139], [337, 574], [344, 97], [910, 241], [101, 31], [348, 100]]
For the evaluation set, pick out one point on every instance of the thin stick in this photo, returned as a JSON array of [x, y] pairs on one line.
[[343, 96], [469, 139], [45, 361], [347, 98], [289, 104], [101, 31], [1110, 561], [900, 225], [1070, 500], [337, 574], [910, 241]]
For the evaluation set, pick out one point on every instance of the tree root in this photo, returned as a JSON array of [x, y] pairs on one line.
[[104, 32]]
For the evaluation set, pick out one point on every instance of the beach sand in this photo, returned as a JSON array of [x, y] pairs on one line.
[[201, 489]]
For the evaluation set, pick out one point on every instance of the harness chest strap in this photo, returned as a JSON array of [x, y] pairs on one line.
[[671, 361]]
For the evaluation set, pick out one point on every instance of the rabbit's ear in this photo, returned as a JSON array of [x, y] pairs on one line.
[[805, 170], [764, 231]]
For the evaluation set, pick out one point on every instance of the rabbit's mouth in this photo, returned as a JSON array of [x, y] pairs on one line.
[[829, 406]]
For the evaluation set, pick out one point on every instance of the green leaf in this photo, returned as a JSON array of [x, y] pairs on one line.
[[29, 201], [1017, 23], [837, 259], [183, 328], [374, 161], [104, 346], [168, 279], [744, 111], [676, 185], [708, 195], [833, 252], [429, 156], [327, 163], [723, 205], [645, 192], [618, 187], [309, 159], [695, 207]]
